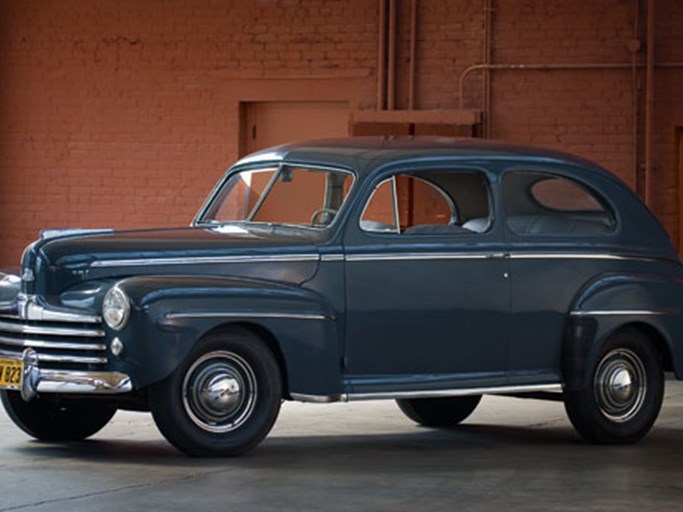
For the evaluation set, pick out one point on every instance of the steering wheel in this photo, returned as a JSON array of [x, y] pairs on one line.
[[329, 212]]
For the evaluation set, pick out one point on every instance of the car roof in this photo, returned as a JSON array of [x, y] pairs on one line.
[[365, 154]]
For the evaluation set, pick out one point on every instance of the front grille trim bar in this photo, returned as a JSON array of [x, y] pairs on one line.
[[21, 328]]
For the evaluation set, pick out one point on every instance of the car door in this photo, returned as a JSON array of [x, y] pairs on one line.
[[426, 284]]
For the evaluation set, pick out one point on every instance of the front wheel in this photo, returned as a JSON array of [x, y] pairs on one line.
[[439, 412], [621, 395], [52, 418], [223, 400]]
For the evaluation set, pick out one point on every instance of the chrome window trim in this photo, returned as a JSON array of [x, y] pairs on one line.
[[52, 331], [247, 314], [394, 204], [437, 393], [396, 230], [266, 191], [205, 260]]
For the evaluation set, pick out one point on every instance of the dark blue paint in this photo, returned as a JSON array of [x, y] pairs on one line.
[[392, 325]]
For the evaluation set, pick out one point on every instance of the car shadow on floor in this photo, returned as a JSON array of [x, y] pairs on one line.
[[468, 446]]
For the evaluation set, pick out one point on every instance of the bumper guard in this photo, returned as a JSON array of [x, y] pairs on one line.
[[35, 380]]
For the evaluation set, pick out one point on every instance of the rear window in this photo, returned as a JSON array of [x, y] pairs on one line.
[[538, 203]]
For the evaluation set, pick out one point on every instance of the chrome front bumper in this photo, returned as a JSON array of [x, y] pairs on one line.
[[34, 380]]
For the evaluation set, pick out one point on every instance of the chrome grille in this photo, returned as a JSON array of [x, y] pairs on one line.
[[57, 344]]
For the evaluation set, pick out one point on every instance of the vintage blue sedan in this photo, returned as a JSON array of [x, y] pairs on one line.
[[431, 271]]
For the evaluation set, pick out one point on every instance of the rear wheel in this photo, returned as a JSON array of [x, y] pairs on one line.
[[52, 418], [621, 395], [223, 400], [439, 412]]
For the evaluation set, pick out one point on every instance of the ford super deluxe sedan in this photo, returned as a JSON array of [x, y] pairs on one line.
[[430, 271]]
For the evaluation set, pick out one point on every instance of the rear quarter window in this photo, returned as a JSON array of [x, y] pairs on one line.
[[538, 203]]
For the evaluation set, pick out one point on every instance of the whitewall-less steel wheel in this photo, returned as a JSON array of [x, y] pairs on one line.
[[622, 392], [620, 385], [223, 400]]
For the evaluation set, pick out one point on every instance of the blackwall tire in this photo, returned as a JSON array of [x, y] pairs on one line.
[[621, 395], [223, 399], [439, 412], [52, 418]]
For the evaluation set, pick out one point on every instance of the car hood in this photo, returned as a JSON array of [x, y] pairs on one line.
[[221, 250]]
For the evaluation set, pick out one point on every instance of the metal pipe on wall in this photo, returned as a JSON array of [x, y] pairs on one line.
[[574, 66], [391, 80], [413, 54], [649, 98], [381, 54], [486, 82], [531, 67], [634, 47]]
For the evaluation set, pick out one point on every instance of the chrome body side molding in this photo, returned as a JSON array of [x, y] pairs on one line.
[[247, 314], [459, 255], [206, 260], [423, 256], [437, 393], [626, 312]]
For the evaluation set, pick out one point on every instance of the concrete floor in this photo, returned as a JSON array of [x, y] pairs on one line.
[[510, 455]]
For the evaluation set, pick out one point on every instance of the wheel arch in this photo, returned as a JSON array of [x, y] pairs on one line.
[[655, 335], [586, 336], [647, 302]]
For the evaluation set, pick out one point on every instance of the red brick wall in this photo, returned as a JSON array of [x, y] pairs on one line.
[[124, 114]]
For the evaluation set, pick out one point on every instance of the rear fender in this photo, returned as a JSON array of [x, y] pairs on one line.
[[653, 303]]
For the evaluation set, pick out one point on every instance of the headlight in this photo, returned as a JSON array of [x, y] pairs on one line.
[[116, 308]]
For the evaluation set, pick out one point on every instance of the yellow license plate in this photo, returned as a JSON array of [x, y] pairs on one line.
[[10, 373]]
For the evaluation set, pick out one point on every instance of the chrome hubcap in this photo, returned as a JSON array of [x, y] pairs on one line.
[[620, 385], [219, 391]]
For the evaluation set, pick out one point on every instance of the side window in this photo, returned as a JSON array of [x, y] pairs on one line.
[[429, 203], [537, 203]]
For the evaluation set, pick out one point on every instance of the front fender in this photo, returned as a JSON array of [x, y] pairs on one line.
[[607, 304], [171, 313]]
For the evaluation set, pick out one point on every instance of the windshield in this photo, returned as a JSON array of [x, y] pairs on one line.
[[291, 195]]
